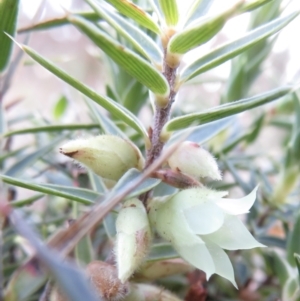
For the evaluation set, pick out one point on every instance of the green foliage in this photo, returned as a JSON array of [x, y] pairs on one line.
[[147, 103], [8, 23]]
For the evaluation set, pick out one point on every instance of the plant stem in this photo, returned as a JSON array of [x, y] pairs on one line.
[[161, 116]]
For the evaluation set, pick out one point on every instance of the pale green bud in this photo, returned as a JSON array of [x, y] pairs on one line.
[[133, 238], [190, 158], [108, 156]]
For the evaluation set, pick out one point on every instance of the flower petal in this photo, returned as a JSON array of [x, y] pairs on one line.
[[172, 226], [205, 218], [198, 256], [222, 263], [233, 235], [238, 206]]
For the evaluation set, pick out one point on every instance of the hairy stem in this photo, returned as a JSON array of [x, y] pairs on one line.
[[161, 116]]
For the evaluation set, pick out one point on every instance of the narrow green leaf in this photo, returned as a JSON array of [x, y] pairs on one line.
[[53, 128], [80, 195], [198, 9], [97, 183], [60, 107], [70, 279], [26, 202], [135, 65], [251, 5], [91, 16], [136, 37], [247, 188], [30, 159], [272, 241], [135, 13], [107, 103], [293, 244], [129, 177], [281, 268], [195, 35], [8, 22], [161, 252], [84, 250], [105, 123], [2, 119], [135, 96], [109, 220], [24, 282], [297, 260], [225, 110], [295, 139], [235, 47], [291, 290], [170, 11], [14, 153], [202, 133]]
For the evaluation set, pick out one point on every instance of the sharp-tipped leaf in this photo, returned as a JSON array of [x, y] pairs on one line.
[[280, 267], [170, 11], [225, 110], [109, 221], [135, 91], [60, 107], [293, 244], [27, 161], [251, 5], [129, 177], [80, 195], [26, 202], [135, 13], [107, 103], [92, 16], [233, 48], [200, 33], [15, 153], [297, 259], [8, 21], [70, 279], [53, 128], [135, 65], [198, 9], [105, 123], [25, 281], [203, 133], [136, 37], [161, 252]]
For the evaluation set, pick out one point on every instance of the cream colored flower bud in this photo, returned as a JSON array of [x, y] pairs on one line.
[[108, 156], [133, 238], [105, 281], [193, 160]]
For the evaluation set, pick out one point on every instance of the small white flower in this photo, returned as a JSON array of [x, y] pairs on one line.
[[190, 158], [199, 224]]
